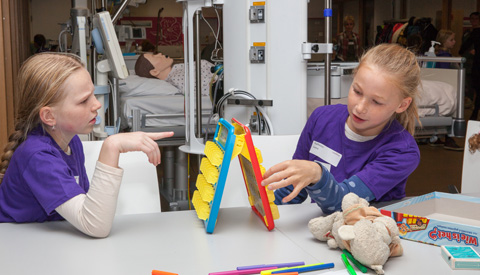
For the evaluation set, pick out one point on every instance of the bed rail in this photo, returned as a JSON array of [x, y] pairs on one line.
[[458, 125], [139, 120]]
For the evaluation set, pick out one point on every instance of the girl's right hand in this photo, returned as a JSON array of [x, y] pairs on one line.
[[129, 142], [298, 173]]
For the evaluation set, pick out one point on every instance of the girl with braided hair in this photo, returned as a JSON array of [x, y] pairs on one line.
[[43, 176]]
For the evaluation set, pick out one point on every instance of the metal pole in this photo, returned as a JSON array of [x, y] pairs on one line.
[[198, 73], [158, 30], [328, 33], [119, 11], [115, 101]]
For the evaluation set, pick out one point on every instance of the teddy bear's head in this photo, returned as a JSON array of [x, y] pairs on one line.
[[370, 236]]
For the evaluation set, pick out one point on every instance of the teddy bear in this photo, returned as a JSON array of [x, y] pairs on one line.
[[370, 236]]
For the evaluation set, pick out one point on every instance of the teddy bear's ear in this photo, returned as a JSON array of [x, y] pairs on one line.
[[346, 232]]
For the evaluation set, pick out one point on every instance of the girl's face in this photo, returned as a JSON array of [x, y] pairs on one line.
[[450, 42], [372, 101], [77, 113], [349, 24]]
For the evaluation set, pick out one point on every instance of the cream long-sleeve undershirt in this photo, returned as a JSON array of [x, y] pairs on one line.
[[92, 213]]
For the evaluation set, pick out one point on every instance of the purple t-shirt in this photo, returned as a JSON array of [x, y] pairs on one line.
[[443, 65], [41, 177], [383, 163]]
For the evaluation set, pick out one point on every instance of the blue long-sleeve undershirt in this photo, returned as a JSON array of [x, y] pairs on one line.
[[327, 192]]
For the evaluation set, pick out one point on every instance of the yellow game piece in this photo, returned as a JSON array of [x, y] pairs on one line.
[[205, 188], [201, 207], [213, 153], [209, 171]]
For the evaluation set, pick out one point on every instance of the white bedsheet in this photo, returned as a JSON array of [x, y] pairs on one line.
[[135, 85], [440, 93], [154, 96], [159, 105]]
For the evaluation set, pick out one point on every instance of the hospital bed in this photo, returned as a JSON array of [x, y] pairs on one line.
[[441, 94], [150, 104], [154, 105]]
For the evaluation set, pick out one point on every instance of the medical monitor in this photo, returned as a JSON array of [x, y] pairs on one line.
[[128, 32], [139, 33], [102, 22]]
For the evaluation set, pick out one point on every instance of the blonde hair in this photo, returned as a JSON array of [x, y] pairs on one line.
[[40, 82], [442, 36], [401, 67], [348, 18]]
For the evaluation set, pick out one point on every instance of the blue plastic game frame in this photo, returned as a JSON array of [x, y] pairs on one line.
[[225, 138]]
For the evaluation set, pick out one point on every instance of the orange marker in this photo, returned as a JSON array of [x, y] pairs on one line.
[[158, 272], [288, 273]]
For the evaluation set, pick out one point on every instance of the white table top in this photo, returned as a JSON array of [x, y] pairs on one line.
[[177, 242]]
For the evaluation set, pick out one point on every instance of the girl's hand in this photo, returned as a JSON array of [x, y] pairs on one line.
[[298, 173], [129, 142]]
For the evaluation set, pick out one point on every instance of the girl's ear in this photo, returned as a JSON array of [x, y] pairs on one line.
[[404, 105], [46, 116]]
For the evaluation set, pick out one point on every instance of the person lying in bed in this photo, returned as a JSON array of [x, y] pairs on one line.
[[161, 66]]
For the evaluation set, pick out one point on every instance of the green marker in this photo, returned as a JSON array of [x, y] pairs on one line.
[[355, 262], [350, 269]]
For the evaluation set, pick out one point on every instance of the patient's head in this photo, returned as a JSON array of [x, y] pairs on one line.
[[153, 66]]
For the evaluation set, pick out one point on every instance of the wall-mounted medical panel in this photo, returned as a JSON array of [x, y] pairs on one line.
[[265, 59]]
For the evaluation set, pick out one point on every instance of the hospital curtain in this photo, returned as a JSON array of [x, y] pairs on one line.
[[14, 49]]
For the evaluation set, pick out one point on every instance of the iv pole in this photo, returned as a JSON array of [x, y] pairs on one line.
[[328, 57]]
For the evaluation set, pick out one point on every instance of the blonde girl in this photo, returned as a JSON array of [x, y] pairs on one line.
[[366, 147], [349, 47], [446, 38], [44, 177]]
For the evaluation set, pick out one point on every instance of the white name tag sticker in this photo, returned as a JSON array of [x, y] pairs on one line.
[[325, 153]]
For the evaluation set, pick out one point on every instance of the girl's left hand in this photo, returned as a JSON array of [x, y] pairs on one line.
[[298, 173], [129, 142]]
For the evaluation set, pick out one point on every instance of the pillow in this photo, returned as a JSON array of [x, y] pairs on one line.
[[135, 85], [437, 93]]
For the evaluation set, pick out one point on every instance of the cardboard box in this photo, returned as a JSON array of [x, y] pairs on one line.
[[438, 218]]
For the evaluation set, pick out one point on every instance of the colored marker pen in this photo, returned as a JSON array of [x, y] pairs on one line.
[[280, 265]]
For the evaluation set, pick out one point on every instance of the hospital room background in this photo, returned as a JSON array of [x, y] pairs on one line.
[[156, 25]]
